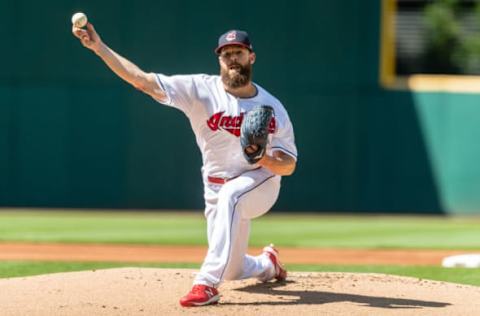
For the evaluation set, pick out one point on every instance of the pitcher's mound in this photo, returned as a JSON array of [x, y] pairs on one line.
[[140, 291]]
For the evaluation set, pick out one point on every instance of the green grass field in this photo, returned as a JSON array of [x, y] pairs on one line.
[[393, 232]]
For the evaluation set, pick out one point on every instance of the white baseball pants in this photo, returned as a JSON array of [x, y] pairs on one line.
[[228, 210]]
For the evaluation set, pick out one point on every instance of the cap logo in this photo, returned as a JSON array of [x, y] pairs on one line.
[[231, 36]]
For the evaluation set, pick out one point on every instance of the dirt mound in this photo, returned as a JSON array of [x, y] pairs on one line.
[[146, 291]]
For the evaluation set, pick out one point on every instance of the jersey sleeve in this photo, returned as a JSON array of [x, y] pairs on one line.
[[181, 91], [284, 139]]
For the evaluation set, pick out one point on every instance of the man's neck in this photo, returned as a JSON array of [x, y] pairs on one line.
[[247, 91]]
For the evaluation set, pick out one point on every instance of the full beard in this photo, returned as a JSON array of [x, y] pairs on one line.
[[237, 78]]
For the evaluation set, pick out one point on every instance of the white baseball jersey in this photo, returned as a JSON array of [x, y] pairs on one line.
[[216, 117]]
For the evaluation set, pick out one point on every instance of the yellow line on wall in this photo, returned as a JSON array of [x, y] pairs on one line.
[[387, 42]]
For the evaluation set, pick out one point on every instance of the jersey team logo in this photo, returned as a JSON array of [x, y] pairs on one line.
[[232, 124], [231, 36]]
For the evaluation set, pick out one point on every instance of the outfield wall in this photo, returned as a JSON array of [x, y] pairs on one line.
[[74, 135]]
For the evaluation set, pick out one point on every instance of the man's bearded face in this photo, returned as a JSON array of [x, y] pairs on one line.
[[235, 67]]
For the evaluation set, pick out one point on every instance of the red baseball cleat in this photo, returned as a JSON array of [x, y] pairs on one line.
[[272, 253], [200, 295]]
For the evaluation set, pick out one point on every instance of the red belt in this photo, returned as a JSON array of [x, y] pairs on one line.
[[217, 180], [224, 180]]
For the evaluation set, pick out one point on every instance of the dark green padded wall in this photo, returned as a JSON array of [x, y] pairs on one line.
[[74, 135]]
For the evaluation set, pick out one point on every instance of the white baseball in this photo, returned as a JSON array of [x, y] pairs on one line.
[[79, 19]]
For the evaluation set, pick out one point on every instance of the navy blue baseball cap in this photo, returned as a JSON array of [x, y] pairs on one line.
[[234, 37]]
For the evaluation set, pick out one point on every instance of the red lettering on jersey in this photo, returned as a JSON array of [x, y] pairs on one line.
[[237, 120], [226, 122], [232, 124], [214, 120]]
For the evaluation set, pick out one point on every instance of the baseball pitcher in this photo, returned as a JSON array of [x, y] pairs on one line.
[[247, 145]]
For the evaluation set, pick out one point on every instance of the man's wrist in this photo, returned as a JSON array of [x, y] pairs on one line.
[[266, 161], [100, 49]]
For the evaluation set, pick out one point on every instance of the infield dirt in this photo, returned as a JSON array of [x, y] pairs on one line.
[[148, 291], [160, 253]]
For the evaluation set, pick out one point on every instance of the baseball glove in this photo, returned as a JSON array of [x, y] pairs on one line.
[[254, 132]]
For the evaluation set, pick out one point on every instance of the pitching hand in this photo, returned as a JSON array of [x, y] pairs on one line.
[[88, 37]]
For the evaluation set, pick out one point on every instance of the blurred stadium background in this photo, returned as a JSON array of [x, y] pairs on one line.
[[74, 135]]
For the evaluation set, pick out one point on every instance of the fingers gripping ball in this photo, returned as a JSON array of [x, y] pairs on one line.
[[79, 19], [254, 132]]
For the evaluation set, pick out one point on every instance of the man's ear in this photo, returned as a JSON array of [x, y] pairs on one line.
[[253, 57]]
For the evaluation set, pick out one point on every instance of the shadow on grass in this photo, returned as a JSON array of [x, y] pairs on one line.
[[295, 297]]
